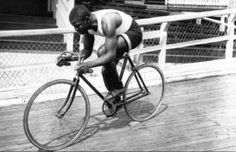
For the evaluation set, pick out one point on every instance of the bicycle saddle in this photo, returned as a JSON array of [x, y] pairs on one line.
[[65, 58]]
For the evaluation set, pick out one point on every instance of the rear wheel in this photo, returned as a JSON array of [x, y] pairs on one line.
[[144, 102], [51, 123]]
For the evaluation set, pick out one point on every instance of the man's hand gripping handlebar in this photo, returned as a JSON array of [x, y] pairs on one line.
[[66, 57], [82, 67]]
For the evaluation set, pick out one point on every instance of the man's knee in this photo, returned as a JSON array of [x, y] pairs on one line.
[[101, 51], [105, 72]]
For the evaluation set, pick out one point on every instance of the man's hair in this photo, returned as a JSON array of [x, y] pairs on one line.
[[79, 12]]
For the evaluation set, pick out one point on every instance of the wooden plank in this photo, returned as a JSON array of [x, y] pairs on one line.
[[197, 115]]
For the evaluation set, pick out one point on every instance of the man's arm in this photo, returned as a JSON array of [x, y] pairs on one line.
[[88, 45], [109, 29]]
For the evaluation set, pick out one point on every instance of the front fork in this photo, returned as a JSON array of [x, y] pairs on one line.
[[69, 99]]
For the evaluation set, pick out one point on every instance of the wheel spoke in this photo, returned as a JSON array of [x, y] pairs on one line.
[[44, 127], [146, 106]]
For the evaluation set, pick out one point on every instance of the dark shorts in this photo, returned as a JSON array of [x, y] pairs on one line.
[[133, 36]]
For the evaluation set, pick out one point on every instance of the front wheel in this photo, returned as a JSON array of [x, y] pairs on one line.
[[55, 117], [144, 91]]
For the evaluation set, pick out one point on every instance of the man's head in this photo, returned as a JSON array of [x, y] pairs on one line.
[[79, 18]]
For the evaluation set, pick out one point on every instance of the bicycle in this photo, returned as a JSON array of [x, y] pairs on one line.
[[65, 108]]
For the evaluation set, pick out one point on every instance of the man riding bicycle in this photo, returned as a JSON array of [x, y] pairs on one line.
[[121, 33]]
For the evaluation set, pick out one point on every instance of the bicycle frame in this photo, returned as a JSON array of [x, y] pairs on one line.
[[143, 89]]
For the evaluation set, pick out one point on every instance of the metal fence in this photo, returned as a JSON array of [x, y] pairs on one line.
[[199, 2], [30, 60]]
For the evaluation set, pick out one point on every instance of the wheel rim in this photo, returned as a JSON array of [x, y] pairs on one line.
[[42, 126]]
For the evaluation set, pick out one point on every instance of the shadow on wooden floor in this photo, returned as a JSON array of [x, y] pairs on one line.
[[196, 115]]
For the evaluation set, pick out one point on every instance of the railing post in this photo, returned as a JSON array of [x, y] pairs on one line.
[[68, 39], [222, 20], [163, 43], [230, 34]]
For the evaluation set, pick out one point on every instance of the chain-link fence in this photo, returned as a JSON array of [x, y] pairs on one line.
[[184, 31], [29, 60], [190, 30]]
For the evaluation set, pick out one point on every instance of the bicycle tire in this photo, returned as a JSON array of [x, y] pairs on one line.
[[145, 107], [42, 126]]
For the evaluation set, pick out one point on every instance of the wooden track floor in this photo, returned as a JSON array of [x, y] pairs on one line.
[[196, 115]]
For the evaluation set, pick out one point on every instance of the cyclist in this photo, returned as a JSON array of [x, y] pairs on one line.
[[121, 33]]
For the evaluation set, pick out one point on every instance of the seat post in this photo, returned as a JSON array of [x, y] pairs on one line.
[[125, 57]]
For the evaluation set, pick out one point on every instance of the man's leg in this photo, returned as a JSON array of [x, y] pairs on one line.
[[109, 72], [111, 77]]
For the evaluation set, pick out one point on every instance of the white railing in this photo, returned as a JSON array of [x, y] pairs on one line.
[[173, 72], [195, 70], [232, 4], [199, 2]]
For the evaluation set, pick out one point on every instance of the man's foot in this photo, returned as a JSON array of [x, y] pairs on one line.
[[117, 92], [114, 93], [114, 96]]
